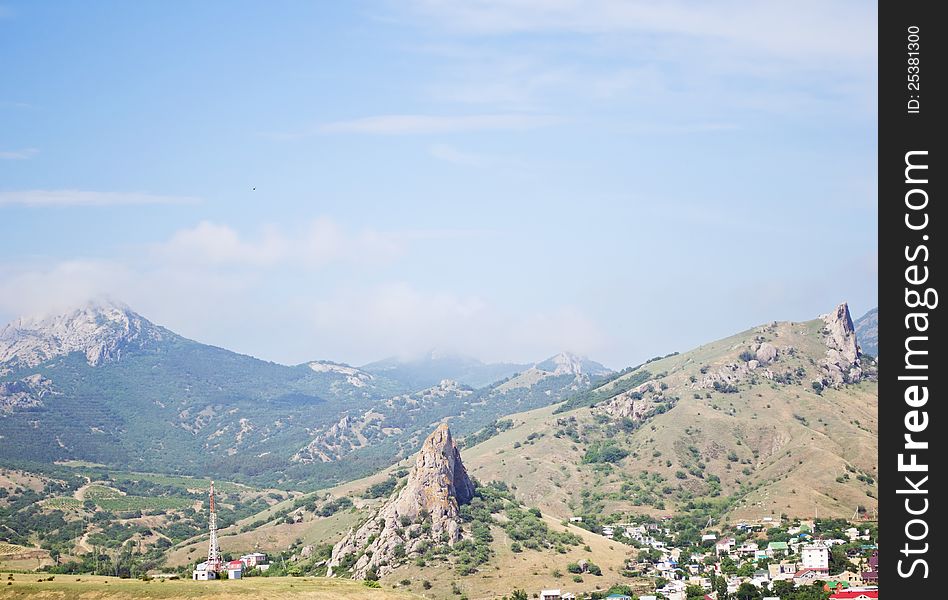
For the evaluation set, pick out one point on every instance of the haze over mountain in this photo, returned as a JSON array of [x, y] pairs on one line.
[[435, 366]]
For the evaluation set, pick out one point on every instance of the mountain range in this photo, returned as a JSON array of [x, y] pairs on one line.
[[103, 384]]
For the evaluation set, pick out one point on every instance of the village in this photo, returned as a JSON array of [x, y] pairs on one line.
[[769, 559], [765, 560]]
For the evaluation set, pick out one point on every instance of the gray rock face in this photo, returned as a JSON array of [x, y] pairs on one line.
[[842, 363], [425, 511]]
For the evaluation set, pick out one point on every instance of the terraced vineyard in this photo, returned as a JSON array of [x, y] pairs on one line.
[[10, 549], [100, 492], [132, 503], [184, 483], [62, 503]]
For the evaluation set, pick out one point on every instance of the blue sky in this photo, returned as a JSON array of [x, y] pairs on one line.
[[502, 178]]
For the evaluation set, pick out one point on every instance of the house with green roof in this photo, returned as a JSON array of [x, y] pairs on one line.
[[774, 547]]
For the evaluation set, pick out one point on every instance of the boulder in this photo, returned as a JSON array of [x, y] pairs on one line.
[[766, 353]]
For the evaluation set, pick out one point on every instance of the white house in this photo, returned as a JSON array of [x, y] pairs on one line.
[[202, 573], [724, 546], [815, 556]]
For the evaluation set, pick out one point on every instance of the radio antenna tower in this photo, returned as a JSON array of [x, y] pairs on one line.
[[213, 550]]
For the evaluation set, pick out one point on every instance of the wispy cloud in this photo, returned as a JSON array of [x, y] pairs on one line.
[[420, 124], [807, 28], [315, 245], [53, 198], [452, 155], [706, 60], [18, 154]]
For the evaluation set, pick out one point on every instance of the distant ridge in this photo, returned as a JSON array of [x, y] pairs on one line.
[[867, 332]]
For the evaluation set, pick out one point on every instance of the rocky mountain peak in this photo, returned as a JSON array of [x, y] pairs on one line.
[[353, 376], [842, 364], [100, 329], [426, 510], [567, 363], [841, 334]]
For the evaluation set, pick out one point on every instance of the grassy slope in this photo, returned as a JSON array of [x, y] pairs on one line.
[[529, 570], [272, 588]]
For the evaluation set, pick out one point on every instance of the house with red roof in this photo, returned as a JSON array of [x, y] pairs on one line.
[[809, 576], [857, 594]]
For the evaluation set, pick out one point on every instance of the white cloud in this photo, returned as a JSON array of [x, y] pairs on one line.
[[418, 124], [18, 154], [211, 243], [30, 290], [49, 198]]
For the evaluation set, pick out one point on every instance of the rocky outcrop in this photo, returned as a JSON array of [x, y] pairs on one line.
[[425, 511], [635, 403], [341, 438], [842, 363], [24, 393]]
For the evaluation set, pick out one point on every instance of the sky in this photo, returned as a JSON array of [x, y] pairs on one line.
[[505, 179]]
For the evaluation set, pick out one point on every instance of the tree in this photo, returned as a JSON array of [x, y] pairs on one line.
[[518, 594], [747, 591], [694, 592]]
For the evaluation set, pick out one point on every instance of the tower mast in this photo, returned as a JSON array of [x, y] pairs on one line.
[[213, 550]]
